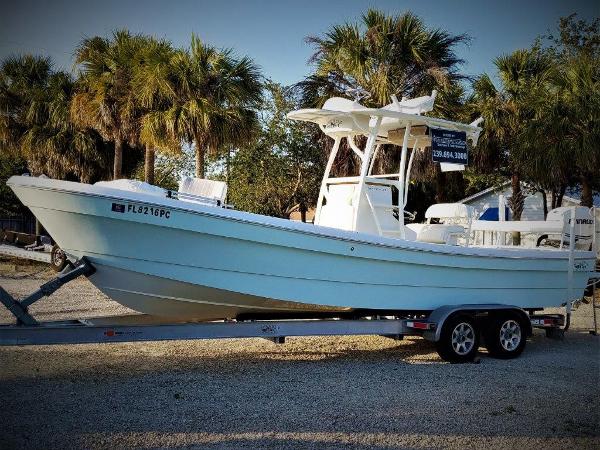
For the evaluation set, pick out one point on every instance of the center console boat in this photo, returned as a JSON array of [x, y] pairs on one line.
[[188, 255]]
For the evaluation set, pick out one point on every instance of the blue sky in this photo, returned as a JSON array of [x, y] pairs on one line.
[[273, 32]]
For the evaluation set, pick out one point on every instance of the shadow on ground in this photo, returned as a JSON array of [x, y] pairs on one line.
[[309, 393]]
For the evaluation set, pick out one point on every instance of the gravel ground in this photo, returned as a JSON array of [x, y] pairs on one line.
[[309, 393]]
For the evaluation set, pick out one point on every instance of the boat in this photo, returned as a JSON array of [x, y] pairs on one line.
[[189, 255]]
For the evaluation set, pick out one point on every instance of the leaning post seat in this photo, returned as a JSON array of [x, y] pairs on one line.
[[444, 233], [201, 187]]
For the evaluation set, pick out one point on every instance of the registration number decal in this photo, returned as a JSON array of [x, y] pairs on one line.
[[131, 208], [582, 266]]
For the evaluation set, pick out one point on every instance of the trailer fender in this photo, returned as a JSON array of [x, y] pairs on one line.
[[440, 315]]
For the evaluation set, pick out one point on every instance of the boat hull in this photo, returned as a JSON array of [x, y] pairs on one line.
[[159, 296], [162, 257]]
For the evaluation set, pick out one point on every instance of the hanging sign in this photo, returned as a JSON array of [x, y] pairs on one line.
[[449, 146]]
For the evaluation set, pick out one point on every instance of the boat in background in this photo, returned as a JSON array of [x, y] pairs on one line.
[[189, 255]]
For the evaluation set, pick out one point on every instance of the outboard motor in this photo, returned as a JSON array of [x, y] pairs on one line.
[[584, 225]]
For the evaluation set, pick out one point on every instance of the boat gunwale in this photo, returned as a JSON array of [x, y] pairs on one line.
[[318, 231]]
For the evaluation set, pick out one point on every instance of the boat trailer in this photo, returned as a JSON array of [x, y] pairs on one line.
[[139, 327]]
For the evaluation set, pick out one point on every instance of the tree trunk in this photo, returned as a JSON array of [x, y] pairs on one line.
[[587, 198], [227, 164], [118, 164], [560, 196], [303, 210], [200, 157], [545, 201], [516, 205], [227, 172], [149, 159]]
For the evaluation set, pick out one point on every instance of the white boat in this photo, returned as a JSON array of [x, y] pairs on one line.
[[189, 256]]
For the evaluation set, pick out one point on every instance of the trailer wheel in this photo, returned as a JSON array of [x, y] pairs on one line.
[[505, 336], [58, 259], [459, 340]]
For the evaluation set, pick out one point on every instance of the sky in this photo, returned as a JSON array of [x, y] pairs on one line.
[[273, 32]]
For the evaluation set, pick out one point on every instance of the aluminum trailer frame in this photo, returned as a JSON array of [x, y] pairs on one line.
[[33, 255], [86, 332], [142, 328]]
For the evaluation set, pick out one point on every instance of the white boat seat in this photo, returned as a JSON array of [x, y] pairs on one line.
[[449, 231], [437, 233], [450, 211], [201, 187]]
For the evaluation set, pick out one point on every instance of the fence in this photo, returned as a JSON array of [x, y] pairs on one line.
[[21, 224]]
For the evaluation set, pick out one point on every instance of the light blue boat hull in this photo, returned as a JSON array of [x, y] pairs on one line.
[[205, 262]]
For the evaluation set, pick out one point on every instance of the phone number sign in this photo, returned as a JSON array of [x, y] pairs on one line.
[[449, 146]]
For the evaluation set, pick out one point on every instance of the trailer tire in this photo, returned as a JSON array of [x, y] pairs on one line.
[[505, 335], [58, 259], [459, 339]]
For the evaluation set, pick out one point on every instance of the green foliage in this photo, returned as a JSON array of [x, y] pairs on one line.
[[169, 168], [542, 124], [560, 142], [282, 167], [383, 55], [136, 93], [507, 113], [506, 110], [9, 166], [387, 55], [576, 37], [35, 124], [105, 99], [477, 182], [208, 97]]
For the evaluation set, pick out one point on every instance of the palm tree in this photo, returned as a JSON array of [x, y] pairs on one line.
[[524, 76], [35, 122], [154, 88], [383, 55], [386, 55], [105, 100], [579, 88], [211, 96], [23, 82], [575, 107]]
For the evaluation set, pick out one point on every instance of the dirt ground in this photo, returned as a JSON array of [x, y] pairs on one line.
[[334, 392]]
